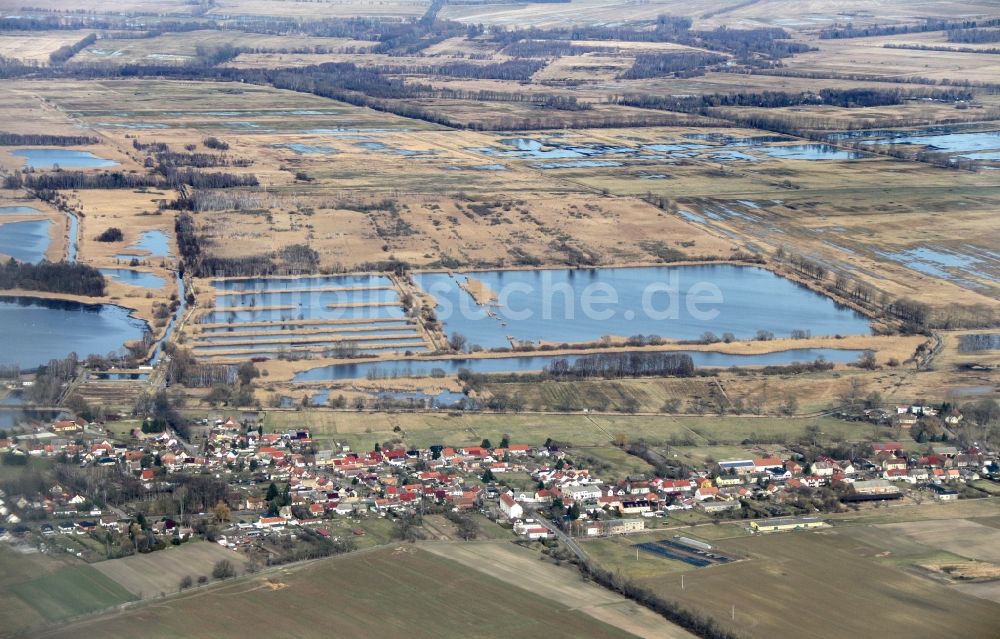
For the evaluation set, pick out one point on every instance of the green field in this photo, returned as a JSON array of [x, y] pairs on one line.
[[16, 614], [401, 592], [71, 591], [37, 589]]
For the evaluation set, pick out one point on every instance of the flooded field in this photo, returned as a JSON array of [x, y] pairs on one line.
[[953, 264], [710, 147], [310, 149], [959, 144], [812, 152], [36, 331], [584, 305]]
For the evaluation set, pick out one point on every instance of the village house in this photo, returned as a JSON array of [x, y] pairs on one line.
[[510, 508]]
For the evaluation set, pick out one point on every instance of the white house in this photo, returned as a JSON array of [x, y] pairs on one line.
[[510, 508], [583, 493]]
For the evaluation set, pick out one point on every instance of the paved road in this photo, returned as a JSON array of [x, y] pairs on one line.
[[561, 536]]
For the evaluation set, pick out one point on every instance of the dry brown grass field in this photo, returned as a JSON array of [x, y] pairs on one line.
[[37, 45], [183, 47], [870, 56], [804, 15]]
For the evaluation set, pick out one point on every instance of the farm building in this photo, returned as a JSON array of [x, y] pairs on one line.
[[785, 524], [874, 487], [943, 494], [738, 465]]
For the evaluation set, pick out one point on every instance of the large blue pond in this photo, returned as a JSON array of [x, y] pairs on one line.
[[63, 158], [423, 368], [681, 302], [35, 331], [25, 241]]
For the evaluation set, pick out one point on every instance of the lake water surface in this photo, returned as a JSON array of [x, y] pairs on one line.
[[134, 278], [681, 302], [63, 158], [153, 243], [25, 241], [423, 368], [36, 330]]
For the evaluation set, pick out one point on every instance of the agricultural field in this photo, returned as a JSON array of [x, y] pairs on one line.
[[520, 567], [357, 590], [838, 573], [150, 575], [39, 589], [19, 568]]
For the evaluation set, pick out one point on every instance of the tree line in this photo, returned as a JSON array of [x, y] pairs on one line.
[[677, 63], [518, 70], [849, 98], [43, 139], [64, 53], [170, 178], [53, 277], [974, 36], [944, 49], [748, 45], [850, 31], [617, 365], [871, 77]]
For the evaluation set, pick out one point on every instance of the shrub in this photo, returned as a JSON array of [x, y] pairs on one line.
[[112, 234]]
